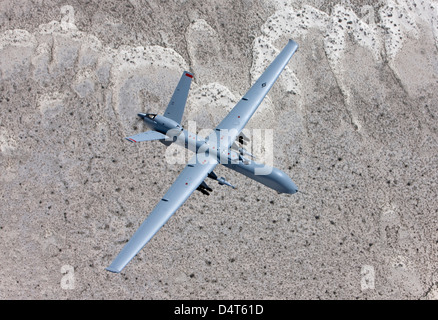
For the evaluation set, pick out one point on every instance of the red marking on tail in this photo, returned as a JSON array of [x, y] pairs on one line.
[[189, 75]]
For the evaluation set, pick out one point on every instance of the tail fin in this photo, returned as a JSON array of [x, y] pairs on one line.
[[175, 108], [147, 136]]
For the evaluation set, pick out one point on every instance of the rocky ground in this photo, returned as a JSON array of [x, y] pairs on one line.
[[354, 125]]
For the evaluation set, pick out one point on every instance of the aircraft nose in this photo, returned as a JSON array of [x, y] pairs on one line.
[[142, 115], [292, 188]]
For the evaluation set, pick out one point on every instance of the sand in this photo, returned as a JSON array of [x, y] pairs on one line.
[[354, 125]]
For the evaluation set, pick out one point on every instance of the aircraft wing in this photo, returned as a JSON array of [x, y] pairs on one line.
[[175, 108], [236, 120], [147, 136], [187, 182]]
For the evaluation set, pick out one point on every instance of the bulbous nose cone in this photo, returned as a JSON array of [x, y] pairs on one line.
[[142, 115], [285, 183], [292, 188]]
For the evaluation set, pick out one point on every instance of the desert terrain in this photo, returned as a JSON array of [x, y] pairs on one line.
[[354, 120]]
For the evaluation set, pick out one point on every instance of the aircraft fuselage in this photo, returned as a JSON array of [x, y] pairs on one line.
[[215, 146]]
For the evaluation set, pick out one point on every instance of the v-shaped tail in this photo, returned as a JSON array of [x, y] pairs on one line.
[[175, 108]]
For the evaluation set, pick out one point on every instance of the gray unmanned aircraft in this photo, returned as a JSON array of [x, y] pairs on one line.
[[219, 147]]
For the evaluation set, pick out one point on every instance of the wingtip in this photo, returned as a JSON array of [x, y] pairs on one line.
[[293, 42], [112, 270]]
